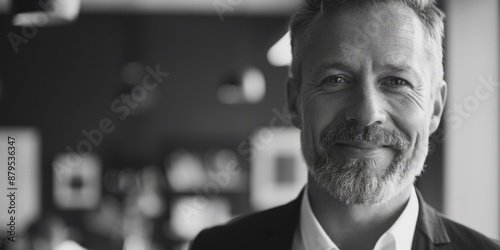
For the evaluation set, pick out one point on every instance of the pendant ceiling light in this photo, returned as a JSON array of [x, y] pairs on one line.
[[244, 88], [44, 12], [280, 54]]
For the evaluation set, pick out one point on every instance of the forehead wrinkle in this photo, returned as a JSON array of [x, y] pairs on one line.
[[359, 29], [339, 62], [381, 38], [394, 40], [401, 16], [403, 47], [357, 38]]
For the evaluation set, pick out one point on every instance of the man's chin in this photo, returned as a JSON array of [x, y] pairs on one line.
[[374, 160], [377, 163], [365, 196], [360, 181]]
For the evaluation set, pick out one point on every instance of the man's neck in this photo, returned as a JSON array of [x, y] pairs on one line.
[[356, 226]]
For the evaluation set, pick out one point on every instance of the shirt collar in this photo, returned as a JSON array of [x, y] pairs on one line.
[[313, 235], [403, 228], [399, 234]]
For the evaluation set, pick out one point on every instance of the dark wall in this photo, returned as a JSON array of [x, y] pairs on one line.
[[64, 79]]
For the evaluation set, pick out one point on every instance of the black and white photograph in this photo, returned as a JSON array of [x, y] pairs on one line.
[[249, 125]]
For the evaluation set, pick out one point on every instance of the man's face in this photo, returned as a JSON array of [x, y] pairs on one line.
[[365, 102]]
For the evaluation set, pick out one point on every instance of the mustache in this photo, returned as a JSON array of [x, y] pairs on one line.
[[354, 132]]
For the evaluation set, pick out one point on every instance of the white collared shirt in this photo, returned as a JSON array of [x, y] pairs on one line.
[[309, 235]]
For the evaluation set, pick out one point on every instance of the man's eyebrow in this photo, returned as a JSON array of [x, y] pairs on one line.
[[402, 68], [330, 65]]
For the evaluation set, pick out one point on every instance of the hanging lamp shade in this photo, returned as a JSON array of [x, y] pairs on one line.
[[280, 54], [44, 12], [248, 86]]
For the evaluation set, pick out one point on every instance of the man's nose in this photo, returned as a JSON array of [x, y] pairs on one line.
[[366, 108]]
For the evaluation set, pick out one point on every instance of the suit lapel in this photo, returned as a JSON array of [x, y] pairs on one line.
[[430, 232], [281, 230]]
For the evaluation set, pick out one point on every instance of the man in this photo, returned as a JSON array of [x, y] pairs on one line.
[[366, 90]]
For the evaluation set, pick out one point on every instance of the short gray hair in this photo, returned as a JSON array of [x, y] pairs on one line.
[[429, 14]]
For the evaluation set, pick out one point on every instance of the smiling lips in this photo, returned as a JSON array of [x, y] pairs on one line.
[[361, 149]]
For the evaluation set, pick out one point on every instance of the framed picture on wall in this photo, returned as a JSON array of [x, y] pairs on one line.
[[277, 169]]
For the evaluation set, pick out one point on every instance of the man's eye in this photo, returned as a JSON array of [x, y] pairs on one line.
[[397, 82], [335, 80]]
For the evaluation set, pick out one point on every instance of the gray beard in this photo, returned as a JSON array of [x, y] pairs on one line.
[[354, 182]]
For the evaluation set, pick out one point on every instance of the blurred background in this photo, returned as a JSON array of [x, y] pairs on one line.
[[136, 124]]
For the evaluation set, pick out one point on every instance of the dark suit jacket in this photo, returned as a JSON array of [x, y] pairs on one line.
[[274, 229]]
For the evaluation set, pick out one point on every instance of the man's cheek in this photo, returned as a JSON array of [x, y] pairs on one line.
[[413, 121], [311, 145], [418, 136]]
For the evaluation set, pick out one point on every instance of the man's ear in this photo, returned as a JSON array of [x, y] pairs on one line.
[[293, 100], [440, 94]]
